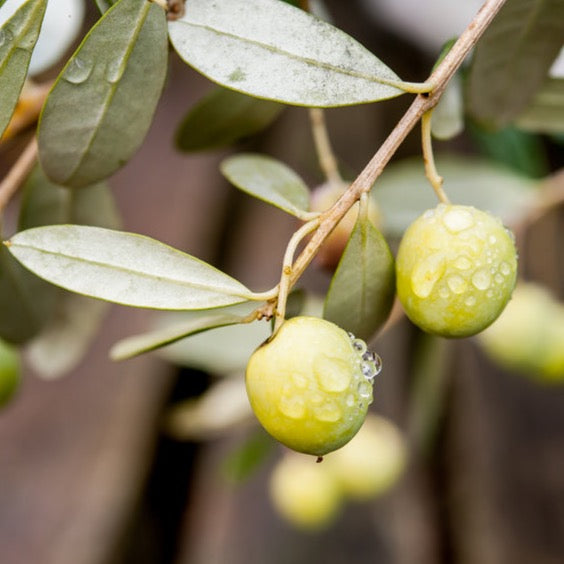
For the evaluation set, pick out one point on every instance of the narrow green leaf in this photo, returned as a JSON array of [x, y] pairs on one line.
[[225, 350], [63, 342], [125, 268], [403, 192], [269, 180], [17, 39], [362, 290], [214, 413], [139, 344], [269, 49], [244, 460], [523, 152], [75, 319], [46, 203], [447, 119], [545, 113], [223, 117], [102, 104], [105, 5], [26, 301], [428, 395], [512, 59]]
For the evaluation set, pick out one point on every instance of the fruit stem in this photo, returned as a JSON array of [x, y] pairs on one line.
[[18, 172], [325, 154], [435, 179], [286, 277], [422, 104]]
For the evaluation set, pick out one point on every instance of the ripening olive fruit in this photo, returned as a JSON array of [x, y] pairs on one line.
[[305, 493], [372, 461], [9, 372], [456, 268], [529, 335], [310, 385]]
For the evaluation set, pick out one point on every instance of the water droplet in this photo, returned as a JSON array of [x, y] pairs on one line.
[[5, 36], [492, 239], [299, 380], [78, 71], [368, 370], [489, 294], [470, 301], [498, 278], [292, 407], [457, 220], [114, 71], [350, 400], [463, 263], [316, 399], [481, 279], [444, 292], [457, 284], [329, 412], [359, 345], [426, 274], [377, 361], [505, 268], [365, 390], [333, 374]]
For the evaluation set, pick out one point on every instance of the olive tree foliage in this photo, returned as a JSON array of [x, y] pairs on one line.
[[262, 55]]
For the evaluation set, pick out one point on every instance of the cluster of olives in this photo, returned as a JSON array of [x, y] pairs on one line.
[[311, 384], [310, 496]]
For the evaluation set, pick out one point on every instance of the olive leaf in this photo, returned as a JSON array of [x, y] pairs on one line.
[[75, 319], [512, 59], [223, 117], [269, 180], [26, 301], [105, 5], [102, 104], [545, 113], [224, 350], [125, 268], [361, 293], [260, 47], [18, 36], [403, 191], [139, 344]]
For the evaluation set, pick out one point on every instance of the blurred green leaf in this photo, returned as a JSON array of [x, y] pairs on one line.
[[223, 117], [403, 191], [545, 113], [105, 5], [26, 301], [512, 59], [247, 458], [447, 120], [46, 203], [124, 268], [269, 180], [225, 350], [213, 413], [269, 49], [362, 290], [139, 344], [75, 319], [102, 104], [430, 379], [17, 39], [521, 151]]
